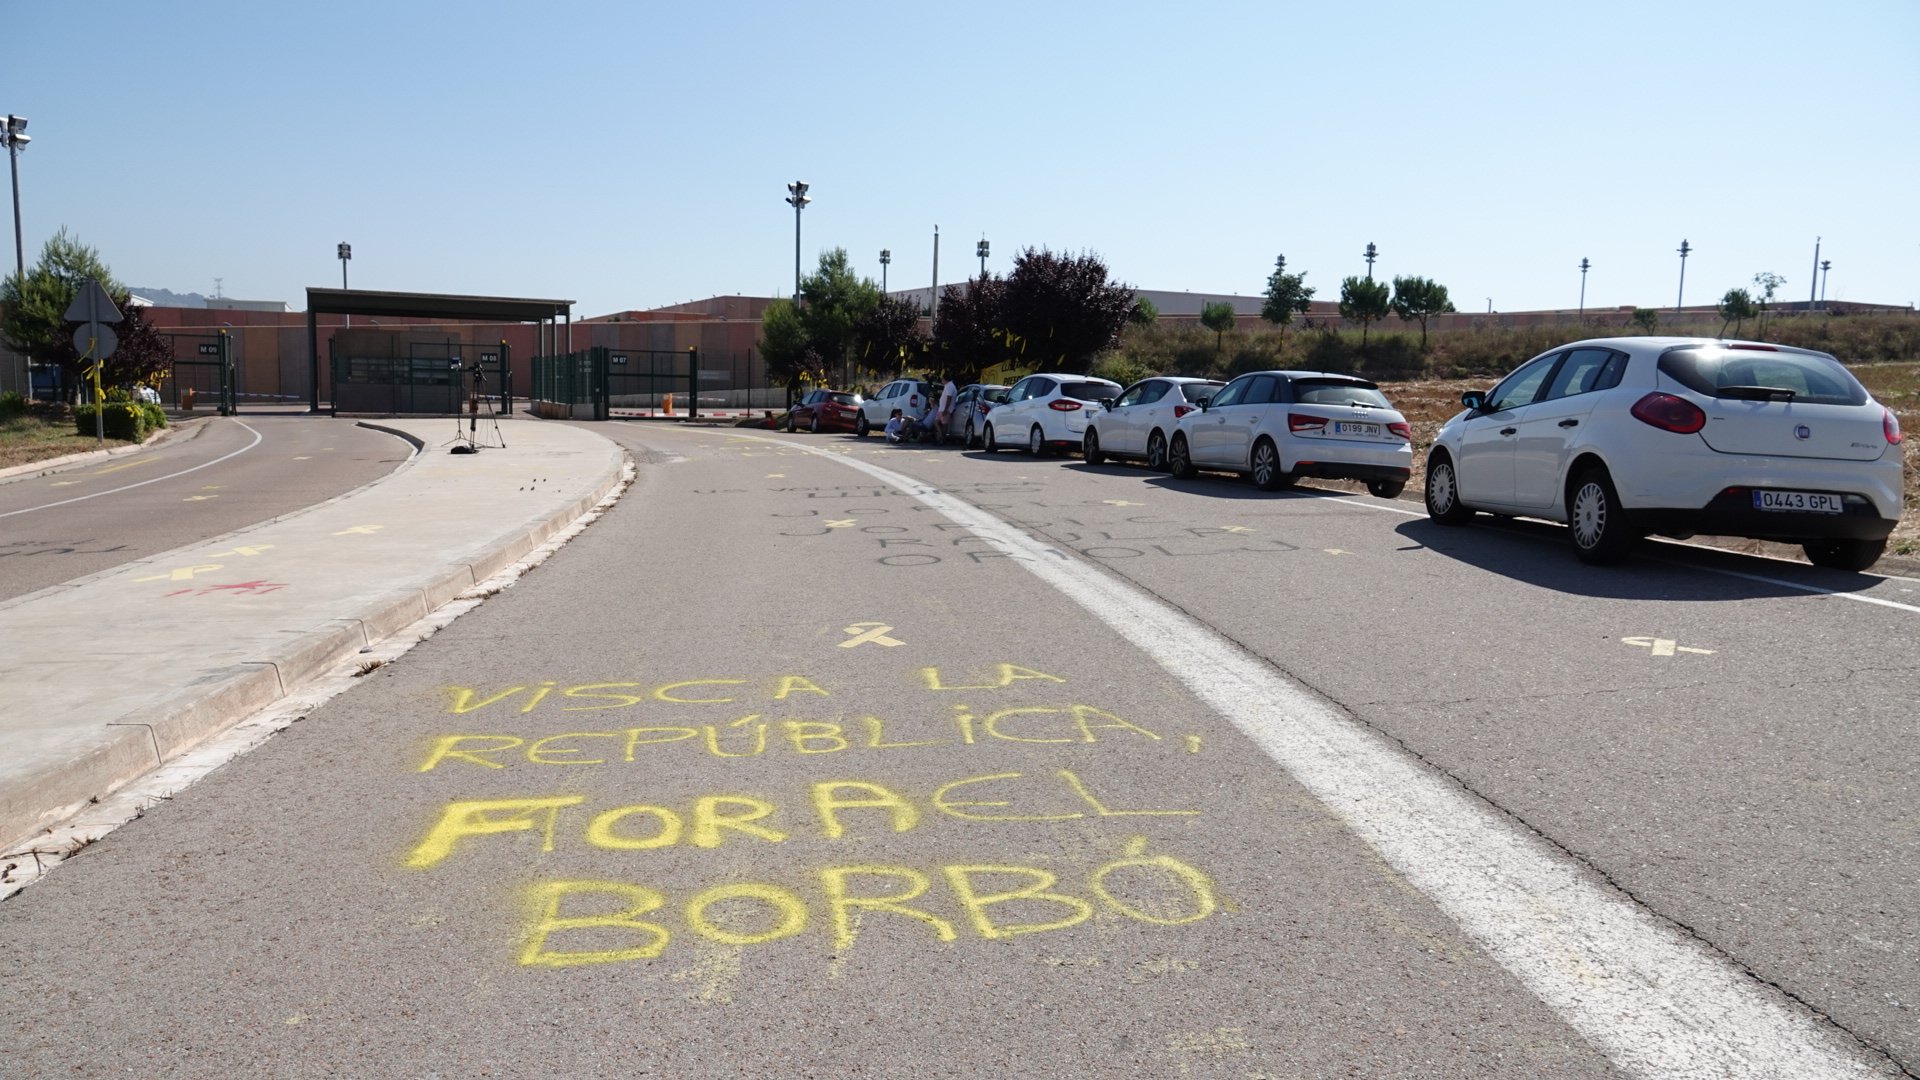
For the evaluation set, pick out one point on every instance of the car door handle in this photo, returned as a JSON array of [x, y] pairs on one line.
[[1508, 430], [1569, 423]]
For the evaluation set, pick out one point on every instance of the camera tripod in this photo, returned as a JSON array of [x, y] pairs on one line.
[[468, 441]]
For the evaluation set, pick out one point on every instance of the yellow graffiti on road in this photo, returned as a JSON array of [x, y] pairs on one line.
[[1663, 646], [182, 573], [870, 633]]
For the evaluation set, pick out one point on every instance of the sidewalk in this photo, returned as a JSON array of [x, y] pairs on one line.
[[109, 676]]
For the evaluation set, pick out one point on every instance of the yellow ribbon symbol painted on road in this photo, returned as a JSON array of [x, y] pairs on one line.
[[870, 633], [1662, 646]]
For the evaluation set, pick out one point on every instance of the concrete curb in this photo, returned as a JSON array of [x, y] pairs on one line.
[[37, 468], [149, 738]]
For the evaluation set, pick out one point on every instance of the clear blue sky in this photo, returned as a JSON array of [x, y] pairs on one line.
[[627, 155]]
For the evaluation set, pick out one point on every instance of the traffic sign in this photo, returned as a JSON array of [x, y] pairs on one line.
[[95, 311], [209, 350], [95, 341]]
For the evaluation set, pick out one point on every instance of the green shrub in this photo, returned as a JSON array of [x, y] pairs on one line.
[[126, 421], [1393, 356], [12, 404], [118, 396], [1329, 350], [1124, 370]]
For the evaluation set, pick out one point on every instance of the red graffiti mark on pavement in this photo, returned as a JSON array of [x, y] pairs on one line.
[[243, 588]]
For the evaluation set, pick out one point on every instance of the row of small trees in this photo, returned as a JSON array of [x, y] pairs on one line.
[[1055, 310], [1739, 305]]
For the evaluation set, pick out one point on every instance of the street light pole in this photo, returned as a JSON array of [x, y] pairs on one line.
[[886, 259], [15, 134], [1372, 253], [981, 249], [797, 198], [345, 251], [1681, 300], [1812, 286], [1825, 266], [1584, 265], [933, 305]]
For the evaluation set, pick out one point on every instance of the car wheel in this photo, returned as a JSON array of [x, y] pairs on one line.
[[815, 428], [1386, 489], [1443, 493], [1156, 451], [1601, 534], [987, 443], [1854, 555], [789, 422], [1090, 448], [1036, 442], [860, 425], [1267, 474], [1178, 461], [969, 443]]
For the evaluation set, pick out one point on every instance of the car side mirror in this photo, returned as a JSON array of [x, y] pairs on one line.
[[1474, 399], [1205, 405], [1106, 403]]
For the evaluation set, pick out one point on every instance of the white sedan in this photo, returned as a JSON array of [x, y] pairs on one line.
[[1621, 437], [1278, 426], [1136, 424], [1046, 411]]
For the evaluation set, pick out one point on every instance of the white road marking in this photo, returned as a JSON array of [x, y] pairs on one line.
[[143, 483], [1762, 578], [1652, 999]]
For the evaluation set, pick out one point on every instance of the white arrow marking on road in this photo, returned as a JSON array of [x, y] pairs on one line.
[[1654, 1000]]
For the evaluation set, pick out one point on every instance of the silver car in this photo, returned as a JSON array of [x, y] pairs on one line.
[[1138, 422]]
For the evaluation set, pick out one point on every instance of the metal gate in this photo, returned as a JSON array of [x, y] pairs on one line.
[[435, 378], [203, 371], [633, 382]]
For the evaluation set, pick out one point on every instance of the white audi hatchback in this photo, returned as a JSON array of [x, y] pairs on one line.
[[1622, 437], [1279, 426]]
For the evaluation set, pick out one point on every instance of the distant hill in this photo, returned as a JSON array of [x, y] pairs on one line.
[[169, 298]]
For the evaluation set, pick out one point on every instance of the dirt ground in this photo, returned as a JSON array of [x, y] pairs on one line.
[[1429, 403]]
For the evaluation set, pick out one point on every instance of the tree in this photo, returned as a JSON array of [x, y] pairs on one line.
[[1363, 301], [1645, 318], [1769, 282], [1144, 312], [1066, 307], [143, 356], [1217, 317], [889, 332], [833, 302], [1420, 298], [1287, 295], [1736, 307], [36, 307], [784, 347], [969, 332]]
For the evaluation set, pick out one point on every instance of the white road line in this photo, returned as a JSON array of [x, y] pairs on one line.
[[1782, 582], [1655, 1001], [143, 483]]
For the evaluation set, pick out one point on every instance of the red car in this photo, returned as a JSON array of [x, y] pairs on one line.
[[824, 410]]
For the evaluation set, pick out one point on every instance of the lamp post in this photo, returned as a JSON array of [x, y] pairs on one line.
[[797, 198], [1584, 265], [1812, 286], [345, 252], [886, 259], [1825, 265], [1681, 300], [933, 302], [15, 134], [982, 249], [1372, 253]]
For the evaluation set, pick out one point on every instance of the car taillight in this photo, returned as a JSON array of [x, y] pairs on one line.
[[1403, 430], [1890, 424], [1303, 422], [1064, 405], [1669, 413], [983, 407], [1182, 410], [913, 401]]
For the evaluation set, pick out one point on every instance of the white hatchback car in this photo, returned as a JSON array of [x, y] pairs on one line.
[[1278, 426], [913, 397], [1621, 437], [1045, 411], [1136, 424]]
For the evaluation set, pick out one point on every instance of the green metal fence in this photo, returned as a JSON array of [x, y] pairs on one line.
[[570, 384]]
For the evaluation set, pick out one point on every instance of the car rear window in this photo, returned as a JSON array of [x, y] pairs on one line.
[[1743, 373], [1337, 392], [998, 395], [1090, 391], [1200, 393], [843, 399]]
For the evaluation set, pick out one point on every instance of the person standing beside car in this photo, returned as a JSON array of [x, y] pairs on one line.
[[947, 394]]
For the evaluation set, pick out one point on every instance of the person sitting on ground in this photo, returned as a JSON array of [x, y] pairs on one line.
[[896, 427]]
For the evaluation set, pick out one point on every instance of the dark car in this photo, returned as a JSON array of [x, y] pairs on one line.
[[970, 406], [824, 410]]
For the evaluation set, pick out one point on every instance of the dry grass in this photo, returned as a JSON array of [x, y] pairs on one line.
[[26, 439], [1428, 403]]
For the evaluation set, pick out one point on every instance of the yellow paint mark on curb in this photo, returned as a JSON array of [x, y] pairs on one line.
[[362, 530], [199, 498], [243, 550], [183, 573], [1193, 744]]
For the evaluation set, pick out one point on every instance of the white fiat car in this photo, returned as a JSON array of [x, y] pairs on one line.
[[1278, 426], [1621, 437], [1045, 412]]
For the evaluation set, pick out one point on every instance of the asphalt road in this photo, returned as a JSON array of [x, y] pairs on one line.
[[890, 761], [215, 476]]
